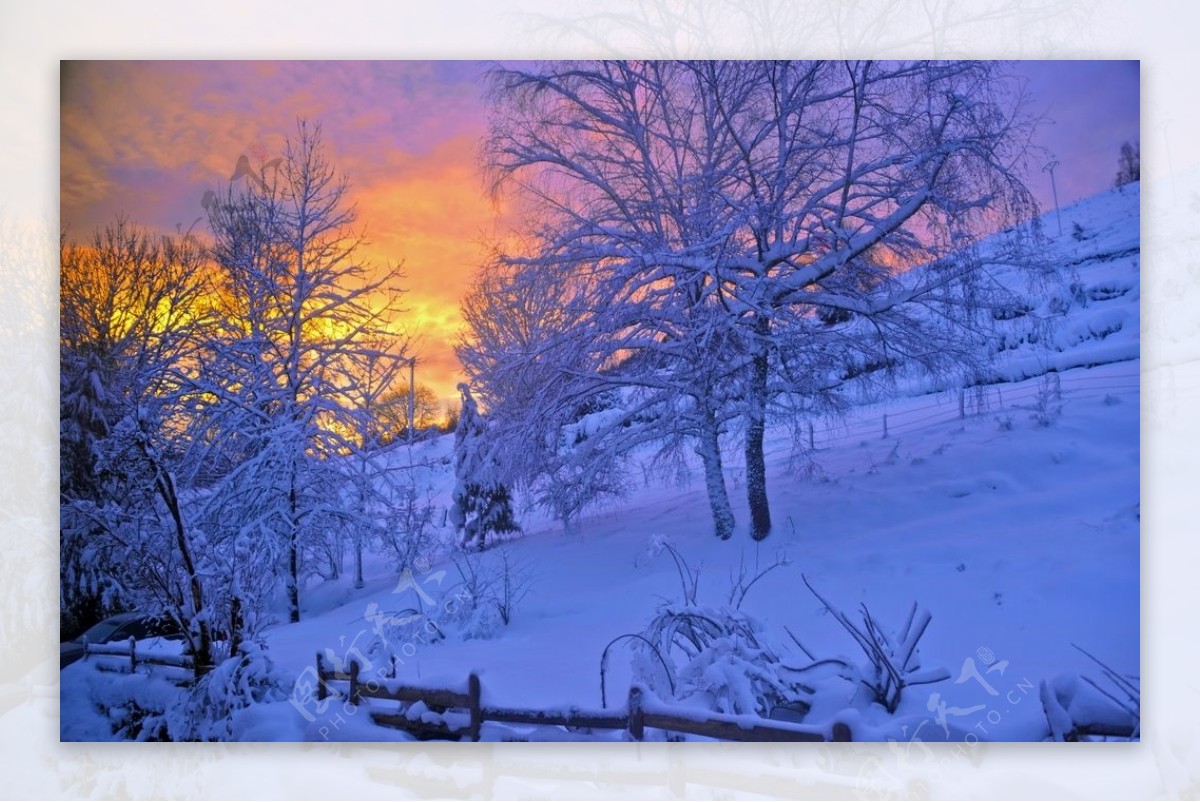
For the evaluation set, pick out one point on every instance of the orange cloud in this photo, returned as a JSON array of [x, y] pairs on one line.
[[432, 214]]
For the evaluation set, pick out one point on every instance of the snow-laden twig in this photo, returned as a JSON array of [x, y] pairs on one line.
[[740, 587], [604, 663], [894, 662]]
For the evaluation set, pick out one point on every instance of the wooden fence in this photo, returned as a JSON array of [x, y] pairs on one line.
[[130, 651], [635, 718]]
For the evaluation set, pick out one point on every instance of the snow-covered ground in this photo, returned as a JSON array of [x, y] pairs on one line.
[[1010, 513]]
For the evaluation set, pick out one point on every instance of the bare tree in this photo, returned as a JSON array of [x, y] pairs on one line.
[[378, 369], [428, 411], [1129, 164]]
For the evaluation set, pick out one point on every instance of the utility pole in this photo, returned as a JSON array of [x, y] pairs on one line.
[[412, 397], [1049, 168]]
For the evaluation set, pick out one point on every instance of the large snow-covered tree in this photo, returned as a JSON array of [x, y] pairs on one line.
[[617, 162], [707, 215], [299, 308], [219, 415], [904, 162], [131, 314]]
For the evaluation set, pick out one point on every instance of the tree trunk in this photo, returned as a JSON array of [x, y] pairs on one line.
[[709, 450], [293, 578], [358, 574], [165, 484], [756, 467], [236, 623]]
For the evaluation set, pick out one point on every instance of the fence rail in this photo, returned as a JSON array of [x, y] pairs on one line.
[[130, 651], [634, 719], [947, 405]]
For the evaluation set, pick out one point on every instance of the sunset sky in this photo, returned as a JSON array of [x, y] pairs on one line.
[[148, 138]]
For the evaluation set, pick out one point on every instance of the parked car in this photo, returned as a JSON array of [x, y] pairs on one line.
[[118, 629]]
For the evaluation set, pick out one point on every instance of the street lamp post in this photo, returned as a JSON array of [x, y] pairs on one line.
[[1049, 168], [412, 397]]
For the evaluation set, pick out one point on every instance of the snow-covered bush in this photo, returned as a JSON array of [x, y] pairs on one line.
[[213, 709], [578, 478], [715, 657], [132, 705], [491, 588], [155, 704], [408, 531], [474, 605], [473, 621], [1078, 707], [395, 634], [893, 661], [1048, 404]]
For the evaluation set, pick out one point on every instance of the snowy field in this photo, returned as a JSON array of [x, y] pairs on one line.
[[1010, 513]]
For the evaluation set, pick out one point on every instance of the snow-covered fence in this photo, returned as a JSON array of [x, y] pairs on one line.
[[907, 417], [129, 650], [1075, 714], [431, 713], [1079, 708], [644, 713]]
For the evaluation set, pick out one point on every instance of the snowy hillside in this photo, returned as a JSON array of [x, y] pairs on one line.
[[1009, 511], [1085, 311]]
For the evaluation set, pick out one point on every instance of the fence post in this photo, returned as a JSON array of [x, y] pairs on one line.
[[962, 403], [885, 426], [322, 688], [637, 717], [355, 695], [132, 654], [811, 447], [473, 693]]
